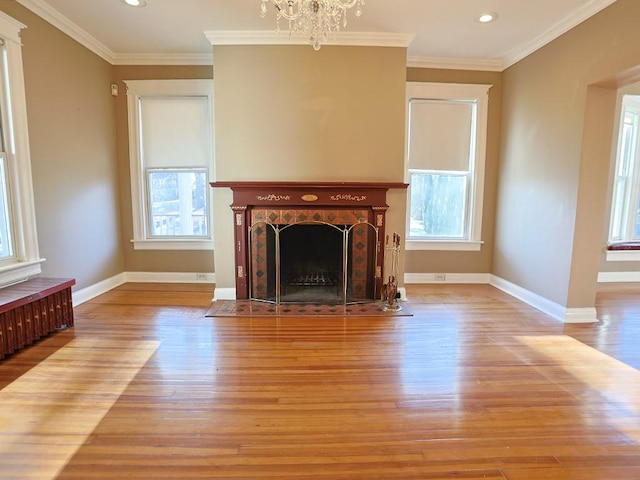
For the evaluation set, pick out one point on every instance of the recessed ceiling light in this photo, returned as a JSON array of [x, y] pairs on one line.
[[487, 17], [135, 3]]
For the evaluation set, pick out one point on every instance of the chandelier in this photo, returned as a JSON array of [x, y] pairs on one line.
[[316, 18]]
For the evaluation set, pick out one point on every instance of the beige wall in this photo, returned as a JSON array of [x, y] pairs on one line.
[[543, 206], [291, 113], [72, 138], [150, 260], [592, 195], [466, 262], [80, 159]]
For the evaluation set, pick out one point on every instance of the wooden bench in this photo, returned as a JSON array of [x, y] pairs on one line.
[[33, 309]]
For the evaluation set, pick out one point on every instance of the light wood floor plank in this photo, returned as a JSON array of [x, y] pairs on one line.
[[475, 385]]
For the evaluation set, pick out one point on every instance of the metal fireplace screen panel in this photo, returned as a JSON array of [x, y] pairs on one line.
[[262, 248]]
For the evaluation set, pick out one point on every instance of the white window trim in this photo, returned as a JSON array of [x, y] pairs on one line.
[[627, 219], [623, 255], [455, 91], [454, 245], [26, 251], [140, 88]]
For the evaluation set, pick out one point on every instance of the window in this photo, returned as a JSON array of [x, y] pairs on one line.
[[178, 200], [19, 255], [170, 148], [624, 225], [446, 139], [625, 221]]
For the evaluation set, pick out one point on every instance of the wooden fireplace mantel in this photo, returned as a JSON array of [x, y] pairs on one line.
[[309, 193], [289, 184], [278, 200]]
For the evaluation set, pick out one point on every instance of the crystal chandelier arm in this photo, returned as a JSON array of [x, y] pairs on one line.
[[292, 9], [348, 3], [287, 9], [316, 18]]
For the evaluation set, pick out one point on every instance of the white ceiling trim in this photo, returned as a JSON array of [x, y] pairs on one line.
[[480, 64], [583, 13], [262, 37], [65, 25]]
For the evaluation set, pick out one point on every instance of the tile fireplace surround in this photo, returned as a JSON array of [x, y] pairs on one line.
[[358, 206]]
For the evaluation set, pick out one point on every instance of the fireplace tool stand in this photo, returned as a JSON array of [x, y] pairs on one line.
[[391, 298]]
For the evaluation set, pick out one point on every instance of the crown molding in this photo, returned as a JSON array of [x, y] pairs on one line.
[[481, 64], [586, 11], [262, 37], [163, 59], [62, 23], [372, 39]]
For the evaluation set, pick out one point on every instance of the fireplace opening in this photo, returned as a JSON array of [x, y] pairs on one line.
[[312, 263], [320, 261]]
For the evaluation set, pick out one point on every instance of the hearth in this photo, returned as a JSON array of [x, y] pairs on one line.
[[309, 242]]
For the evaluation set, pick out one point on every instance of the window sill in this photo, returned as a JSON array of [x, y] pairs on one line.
[[623, 255], [172, 244], [468, 246], [18, 271]]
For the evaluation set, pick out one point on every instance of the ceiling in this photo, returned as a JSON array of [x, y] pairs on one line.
[[446, 33]]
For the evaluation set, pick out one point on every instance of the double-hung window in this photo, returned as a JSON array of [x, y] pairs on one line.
[[624, 225], [19, 253], [446, 142], [171, 152]]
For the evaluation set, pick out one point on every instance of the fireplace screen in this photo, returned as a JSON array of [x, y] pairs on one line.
[[312, 262]]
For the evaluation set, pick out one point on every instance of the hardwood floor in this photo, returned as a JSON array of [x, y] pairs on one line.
[[476, 385]]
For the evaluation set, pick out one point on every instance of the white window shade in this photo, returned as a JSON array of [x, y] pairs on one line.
[[440, 134], [171, 158], [444, 164], [175, 131]]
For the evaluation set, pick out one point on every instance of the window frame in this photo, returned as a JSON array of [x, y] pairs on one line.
[[25, 261], [149, 171], [142, 236], [453, 92], [466, 176], [623, 214]]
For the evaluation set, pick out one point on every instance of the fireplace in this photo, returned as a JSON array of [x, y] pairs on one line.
[[309, 242]]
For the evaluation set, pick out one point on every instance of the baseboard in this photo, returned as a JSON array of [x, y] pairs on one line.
[[481, 278], [618, 277], [170, 277], [557, 311], [224, 294], [85, 294], [554, 310], [581, 315]]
